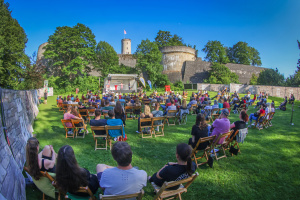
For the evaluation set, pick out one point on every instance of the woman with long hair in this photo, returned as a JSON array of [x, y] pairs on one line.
[[69, 115], [175, 171], [119, 112], [147, 114], [199, 130], [43, 161], [241, 124], [69, 176]]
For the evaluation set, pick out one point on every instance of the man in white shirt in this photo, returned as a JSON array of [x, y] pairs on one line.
[[123, 179]]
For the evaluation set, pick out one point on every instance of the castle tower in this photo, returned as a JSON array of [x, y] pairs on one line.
[[126, 46]]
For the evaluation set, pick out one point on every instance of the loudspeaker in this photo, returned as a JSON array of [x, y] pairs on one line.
[[137, 79], [109, 78]]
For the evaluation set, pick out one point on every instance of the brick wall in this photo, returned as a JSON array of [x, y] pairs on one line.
[[20, 110]]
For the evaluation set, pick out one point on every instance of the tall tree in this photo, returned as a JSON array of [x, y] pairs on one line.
[[107, 60], [220, 74], [149, 58], [165, 38], [215, 52], [294, 80], [12, 46], [70, 51], [270, 77], [253, 80], [242, 53]]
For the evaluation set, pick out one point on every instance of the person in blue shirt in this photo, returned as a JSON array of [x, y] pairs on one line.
[[114, 122]]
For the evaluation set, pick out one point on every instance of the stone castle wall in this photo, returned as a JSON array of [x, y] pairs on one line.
[[20, 110], [275, 91], [127, 60]]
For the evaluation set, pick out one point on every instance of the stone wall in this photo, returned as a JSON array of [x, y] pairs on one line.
[[127, 60], [197, 71], [275, 91], [20, 110]]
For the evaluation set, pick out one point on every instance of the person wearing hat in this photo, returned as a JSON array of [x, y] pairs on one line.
[[221, 125]]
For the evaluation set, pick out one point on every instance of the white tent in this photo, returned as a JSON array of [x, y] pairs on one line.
[[124, 83]]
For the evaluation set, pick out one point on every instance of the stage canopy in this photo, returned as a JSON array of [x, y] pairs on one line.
[[124, 83]]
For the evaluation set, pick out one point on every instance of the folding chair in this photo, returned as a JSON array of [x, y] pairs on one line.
[[138, 196], [163, 192], [156, 123], [91, 113], [81, 190], [146, 123], [183, 119], [216, 145], [269, 122], [77, 127], [206, 151], [64, 121], [64, 107], [240, 137], [43, 184], [228, 141], [193, 109], [171, 114], [85, 101], [128, 110], [103, 137], [258, 122], [137, 111], [84, 113], [207, 113], [60, 107], [215, 114], [112, 128]]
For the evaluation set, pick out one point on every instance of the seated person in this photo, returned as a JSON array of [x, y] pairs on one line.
[[98, 122], [89, 104], [68, 116], [216, 105], [77, 124], [69, 176], [77, 99], [171, 107], [226, 104], [241, 124], [242, 102], [123, 179], [221, 125], [157, 113], [43, 161], [182, 169], [147, 114], [98, 100], [112, 103], [107, 107], [128, 102], [255, 116], [119, 112], [59, 101], [291, 99], [199, 130], [283, 104], [69, 101], [192, 102], [114, 122], [72, 97]]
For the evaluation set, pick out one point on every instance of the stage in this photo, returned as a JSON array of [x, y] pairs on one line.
[[120, 83]]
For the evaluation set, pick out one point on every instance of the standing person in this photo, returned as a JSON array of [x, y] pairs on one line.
[[221, 125], [121, 85], [69, 176], [175, 171], [123, 179]]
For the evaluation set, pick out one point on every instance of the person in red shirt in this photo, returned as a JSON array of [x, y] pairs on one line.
[[256, 115], [226, 104]]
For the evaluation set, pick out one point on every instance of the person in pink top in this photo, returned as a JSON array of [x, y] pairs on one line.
[[68, 115], [221, 125]]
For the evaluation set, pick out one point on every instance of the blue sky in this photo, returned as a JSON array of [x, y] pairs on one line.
[[272, 27]]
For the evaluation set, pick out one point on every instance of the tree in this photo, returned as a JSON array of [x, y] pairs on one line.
[[253, 80], [12, 44], [220, 74], [241, 53], [270, 77], [294, 80], [215, 52], [165, 38], [149, 58], [70, 51], [107, 60]]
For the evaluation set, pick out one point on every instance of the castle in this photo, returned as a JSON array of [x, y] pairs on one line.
[[180, 64]]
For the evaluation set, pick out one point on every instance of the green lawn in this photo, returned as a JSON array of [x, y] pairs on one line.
[[267, 168]]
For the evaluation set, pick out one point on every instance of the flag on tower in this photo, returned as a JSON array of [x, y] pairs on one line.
[[125, 32]]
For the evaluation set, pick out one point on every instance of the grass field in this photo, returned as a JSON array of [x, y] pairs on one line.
[[267, 168]]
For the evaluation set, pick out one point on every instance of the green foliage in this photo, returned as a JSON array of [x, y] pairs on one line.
[[165, 38], [215, 52], [107, 60], [70, 51], [220, 74], [270, 77], [179, 85], [241, 53], [12, 44], [32, 77], [294, 80], [253, 80], [148, 61]]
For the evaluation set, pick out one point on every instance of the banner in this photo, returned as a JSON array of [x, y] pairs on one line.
[[143, 81], [149, 82], [50, 91]]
